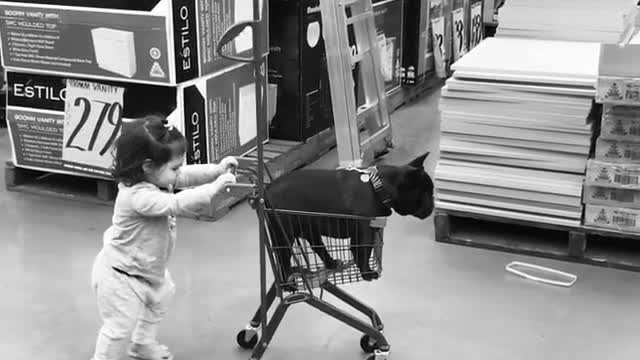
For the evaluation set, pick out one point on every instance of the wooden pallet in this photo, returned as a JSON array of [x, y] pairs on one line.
[[281, 157], [586, 245], [85, 189]]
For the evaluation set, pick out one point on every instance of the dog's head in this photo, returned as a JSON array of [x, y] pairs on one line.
[[411, 188]]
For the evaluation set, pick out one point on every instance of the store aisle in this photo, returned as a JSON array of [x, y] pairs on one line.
[[438, 301]]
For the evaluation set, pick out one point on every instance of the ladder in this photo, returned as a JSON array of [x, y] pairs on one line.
[[340, 19]]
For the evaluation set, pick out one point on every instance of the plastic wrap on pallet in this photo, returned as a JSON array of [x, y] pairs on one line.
[[613, 175], [615, 218]]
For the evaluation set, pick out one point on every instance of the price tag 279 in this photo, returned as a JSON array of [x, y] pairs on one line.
[[93, 121]]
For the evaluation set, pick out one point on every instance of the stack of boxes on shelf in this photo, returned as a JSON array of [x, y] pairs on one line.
[[568, 20], [515, 130], [612, 187], [78, 75]]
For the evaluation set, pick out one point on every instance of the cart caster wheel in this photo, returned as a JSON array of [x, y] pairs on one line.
[[247, 339], [379, 355], [367, 344]]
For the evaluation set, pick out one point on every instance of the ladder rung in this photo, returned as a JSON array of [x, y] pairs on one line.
[[360, 17], [360, 56], [364, 110]]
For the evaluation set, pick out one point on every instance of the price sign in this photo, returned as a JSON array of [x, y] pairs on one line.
[[459, 34], [476, 25], [93, 120], [439, 45]]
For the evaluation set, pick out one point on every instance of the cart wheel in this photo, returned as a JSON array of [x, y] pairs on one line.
[[243, 342], [367, 344]]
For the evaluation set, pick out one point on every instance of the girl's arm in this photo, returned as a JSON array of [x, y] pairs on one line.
[[150, 201], [194, 175]]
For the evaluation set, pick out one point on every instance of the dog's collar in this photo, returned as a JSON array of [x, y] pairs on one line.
[[374, 179], [378, 186]]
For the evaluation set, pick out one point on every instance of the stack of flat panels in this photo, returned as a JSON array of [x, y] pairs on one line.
[[572, 20], [515, 138]]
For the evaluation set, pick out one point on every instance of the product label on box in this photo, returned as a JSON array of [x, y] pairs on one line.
[[69, 125], [620, 128], [195, 126], [613, 175], [476, 27], [611, 196], [215, 17], [616, 218], [231, 108], [618, 91], [220, 116], [617, 151], [85, 42]]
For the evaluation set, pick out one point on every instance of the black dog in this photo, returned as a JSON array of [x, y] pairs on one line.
[[406, 189]]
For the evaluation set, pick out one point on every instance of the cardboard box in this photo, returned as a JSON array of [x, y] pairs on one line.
[[166, 42], [216, 114], [297, 63], [417, 57], [600, 195], [617, 151], [615, 218], [626, 176], [620, 123], [389, 19]]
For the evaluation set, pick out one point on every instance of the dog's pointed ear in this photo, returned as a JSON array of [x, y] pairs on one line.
[[419, 161]]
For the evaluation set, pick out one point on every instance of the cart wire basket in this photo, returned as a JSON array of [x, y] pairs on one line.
[[313, 248], [309, 253]]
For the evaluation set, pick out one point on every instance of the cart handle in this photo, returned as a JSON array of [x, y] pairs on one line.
[[233, 32]]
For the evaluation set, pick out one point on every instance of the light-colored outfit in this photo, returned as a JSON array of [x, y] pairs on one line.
[[129, 275]]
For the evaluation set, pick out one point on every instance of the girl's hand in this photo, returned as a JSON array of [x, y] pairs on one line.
[[229, 164], [226, 178]]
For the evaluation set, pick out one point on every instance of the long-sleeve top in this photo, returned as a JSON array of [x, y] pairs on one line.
[[142, 236]]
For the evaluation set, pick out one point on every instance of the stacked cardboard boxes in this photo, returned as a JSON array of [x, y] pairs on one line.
[[77, 75], [612, 186]]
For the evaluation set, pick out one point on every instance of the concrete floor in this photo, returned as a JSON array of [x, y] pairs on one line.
[[438, 301]]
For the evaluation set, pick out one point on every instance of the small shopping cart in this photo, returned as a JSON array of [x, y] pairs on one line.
[[297, 262]]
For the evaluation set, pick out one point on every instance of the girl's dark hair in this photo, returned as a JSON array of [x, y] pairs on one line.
[[150, 138]]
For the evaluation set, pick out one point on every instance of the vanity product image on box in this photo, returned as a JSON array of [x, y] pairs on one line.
[[115, 50]]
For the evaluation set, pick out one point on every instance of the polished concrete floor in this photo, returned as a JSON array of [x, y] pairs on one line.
[[438, 301]]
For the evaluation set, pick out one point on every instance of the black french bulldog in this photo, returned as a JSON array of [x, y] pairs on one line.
[[406, 189]]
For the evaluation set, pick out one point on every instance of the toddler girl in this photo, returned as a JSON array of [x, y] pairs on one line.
[[130, 276]]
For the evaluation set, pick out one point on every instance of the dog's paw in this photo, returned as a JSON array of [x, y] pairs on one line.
[[370, 275]]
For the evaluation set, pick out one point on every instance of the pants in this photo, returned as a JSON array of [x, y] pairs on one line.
[[129, 307]]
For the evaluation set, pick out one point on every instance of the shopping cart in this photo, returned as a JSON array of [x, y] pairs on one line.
[[298, 264]]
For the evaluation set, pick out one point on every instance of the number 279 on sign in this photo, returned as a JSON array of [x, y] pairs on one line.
[[93, 120]]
